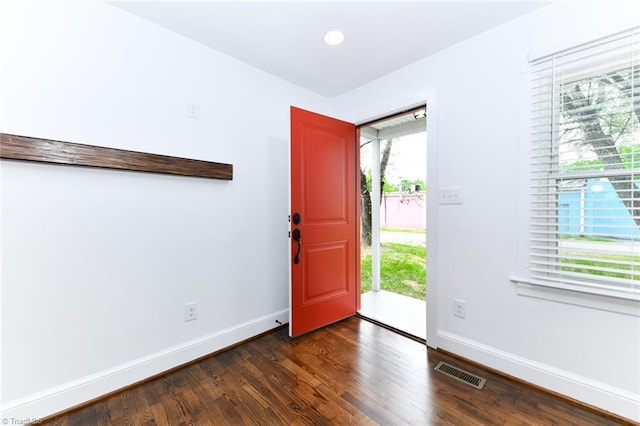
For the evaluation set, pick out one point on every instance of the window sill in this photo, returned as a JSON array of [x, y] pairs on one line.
[[579, 297]]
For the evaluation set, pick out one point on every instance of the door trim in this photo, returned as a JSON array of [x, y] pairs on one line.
[[395, 107]]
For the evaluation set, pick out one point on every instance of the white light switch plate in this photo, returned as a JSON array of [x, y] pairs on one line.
[[450, 196]]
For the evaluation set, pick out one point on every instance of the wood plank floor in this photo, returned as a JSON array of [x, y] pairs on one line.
[[353, 372]]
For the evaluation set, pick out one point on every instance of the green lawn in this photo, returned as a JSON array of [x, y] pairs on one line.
[[407, 230], [402, 269], [585, 238], [616, 261]]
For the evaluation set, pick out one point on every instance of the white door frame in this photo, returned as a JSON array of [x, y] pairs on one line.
[[396, 106]]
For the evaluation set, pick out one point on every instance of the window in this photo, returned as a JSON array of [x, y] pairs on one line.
[[585, 168]]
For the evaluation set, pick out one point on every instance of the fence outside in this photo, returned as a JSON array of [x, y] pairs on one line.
[[404, 210]]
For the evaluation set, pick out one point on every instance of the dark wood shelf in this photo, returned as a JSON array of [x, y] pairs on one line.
[[16, 147]]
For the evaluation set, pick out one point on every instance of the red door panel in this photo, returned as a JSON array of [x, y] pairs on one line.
[[323, 193]]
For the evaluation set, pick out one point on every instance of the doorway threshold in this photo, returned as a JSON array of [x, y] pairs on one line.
[[403, 313]]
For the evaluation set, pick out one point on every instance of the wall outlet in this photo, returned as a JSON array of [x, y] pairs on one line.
[[193, 110], [191, 311], [450, 196], [459, 308]]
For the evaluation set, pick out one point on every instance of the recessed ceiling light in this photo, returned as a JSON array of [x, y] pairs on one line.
[[334, 37]]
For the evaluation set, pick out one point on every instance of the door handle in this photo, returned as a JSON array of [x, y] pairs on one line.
[[296, 236]]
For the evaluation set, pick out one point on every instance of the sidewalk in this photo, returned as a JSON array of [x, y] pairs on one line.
[[403, 237]]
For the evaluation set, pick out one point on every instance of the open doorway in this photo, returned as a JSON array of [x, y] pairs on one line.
[[393, 218]]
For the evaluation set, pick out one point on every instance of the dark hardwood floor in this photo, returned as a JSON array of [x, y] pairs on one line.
[[353, 372]]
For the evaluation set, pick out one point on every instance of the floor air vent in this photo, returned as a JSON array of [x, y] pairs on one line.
[[461, 375]]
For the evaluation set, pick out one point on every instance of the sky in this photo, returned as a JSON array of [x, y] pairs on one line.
[[408, 158]]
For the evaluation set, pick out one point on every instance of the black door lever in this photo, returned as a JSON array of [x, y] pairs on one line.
[[296, 236]]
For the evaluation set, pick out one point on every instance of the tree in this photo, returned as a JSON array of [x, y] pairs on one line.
[[602, 115], [406, 185], [365, 192]]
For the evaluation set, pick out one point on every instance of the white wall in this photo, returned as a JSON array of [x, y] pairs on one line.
[[98, 264], [475, 104]]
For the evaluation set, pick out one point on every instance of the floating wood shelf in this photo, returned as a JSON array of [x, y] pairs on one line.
[[26, 148]]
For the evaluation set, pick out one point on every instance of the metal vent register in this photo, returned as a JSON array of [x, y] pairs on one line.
[[461, 375]]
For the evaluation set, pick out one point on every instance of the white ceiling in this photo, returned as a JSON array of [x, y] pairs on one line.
[[285, 38]]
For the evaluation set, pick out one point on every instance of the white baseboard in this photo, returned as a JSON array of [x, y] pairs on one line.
[[601, 395], [71, 394]]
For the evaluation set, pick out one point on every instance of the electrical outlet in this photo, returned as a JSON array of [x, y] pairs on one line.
[[191, 311], [459, 308], [193, 110], [450, 196]]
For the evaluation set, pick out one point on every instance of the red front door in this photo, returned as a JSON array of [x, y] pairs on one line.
[[324, 221]]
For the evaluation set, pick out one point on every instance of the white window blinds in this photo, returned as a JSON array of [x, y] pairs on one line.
[[585, 165]]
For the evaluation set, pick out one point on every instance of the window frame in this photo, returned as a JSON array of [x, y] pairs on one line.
[[594, 291]]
